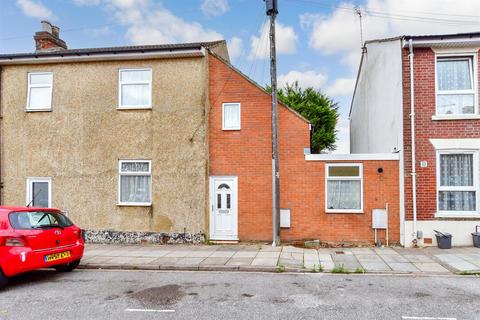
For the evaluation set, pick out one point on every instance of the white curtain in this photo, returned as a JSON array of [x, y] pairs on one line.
[[344, 194], [454, 75], [231, 115], [456, 170], [455, 104], [457, 200], [135, 189], [135, 94]]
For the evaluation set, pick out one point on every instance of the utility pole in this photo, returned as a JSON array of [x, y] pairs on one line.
[[272, 11]]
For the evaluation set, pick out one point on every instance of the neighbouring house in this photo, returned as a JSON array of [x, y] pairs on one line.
[[417, 96], [171, 143]]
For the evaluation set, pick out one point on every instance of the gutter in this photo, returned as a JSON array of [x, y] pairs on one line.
[[412, 129], [200, 52]]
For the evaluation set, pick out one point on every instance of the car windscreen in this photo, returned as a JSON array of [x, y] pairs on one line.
[[38, 220]]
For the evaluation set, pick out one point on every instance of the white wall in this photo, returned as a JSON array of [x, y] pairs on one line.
[[461, 231], [376, 117]]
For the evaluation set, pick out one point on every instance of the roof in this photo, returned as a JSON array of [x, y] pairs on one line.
[[115, 50]]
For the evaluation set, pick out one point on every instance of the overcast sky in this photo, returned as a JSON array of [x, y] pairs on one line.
[[318, 40]]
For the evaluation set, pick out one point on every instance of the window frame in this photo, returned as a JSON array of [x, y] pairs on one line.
[[232, 128], [452, 213], [348, 178], [29, 189], [472, 56], [30, 86], [120, 174], [120, 88]]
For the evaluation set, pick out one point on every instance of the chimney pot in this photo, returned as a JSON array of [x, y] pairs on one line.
[[56, 31], [48, 39], [46, 26]]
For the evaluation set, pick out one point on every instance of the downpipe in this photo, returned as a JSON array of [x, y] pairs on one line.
[[412, 131]]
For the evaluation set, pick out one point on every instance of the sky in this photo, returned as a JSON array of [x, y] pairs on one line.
[[318, 41]]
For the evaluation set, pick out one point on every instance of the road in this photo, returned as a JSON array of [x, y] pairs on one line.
[[92, 294]]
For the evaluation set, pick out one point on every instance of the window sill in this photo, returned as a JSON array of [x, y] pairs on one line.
[[231, 129], [38, 110], [134, 204], [344, 211], [457, 215], [455, 117], [135, 108]]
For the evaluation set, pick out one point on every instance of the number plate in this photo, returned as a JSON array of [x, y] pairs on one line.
[[57, 256]]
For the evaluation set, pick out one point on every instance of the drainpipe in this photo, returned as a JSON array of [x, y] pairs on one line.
[[412, 129]]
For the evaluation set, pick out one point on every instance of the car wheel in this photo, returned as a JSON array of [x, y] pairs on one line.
[[3, 280], [67, 267]]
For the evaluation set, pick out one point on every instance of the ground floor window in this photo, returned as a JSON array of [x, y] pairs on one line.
[[39, 192], [457, 181], [344, 188], [135, 182]]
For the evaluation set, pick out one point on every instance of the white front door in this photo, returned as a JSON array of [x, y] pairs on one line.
[[223, 208]]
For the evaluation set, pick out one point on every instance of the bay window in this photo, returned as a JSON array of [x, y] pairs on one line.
[[455, 85]]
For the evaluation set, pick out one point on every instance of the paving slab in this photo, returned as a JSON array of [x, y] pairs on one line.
[[178, 254], [403, 267], [393, 258], [222, 254], [166, 260], [214, 261], [269, 262], [455, 262], [239, 262], [190, 261], [430, 267], [292, 249], [245, 254], [374, 266], [290, 263], [368, 257], [418, 258], [270, 254]]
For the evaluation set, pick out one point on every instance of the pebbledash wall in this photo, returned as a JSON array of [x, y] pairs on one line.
[[426, 129], [246, 154], [80, 141]]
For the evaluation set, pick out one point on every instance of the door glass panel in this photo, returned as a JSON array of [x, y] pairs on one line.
[[219, 201], [40, 194], [228, 201]]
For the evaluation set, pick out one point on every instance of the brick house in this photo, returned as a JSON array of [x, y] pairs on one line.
[[439, 120], [171, 143]]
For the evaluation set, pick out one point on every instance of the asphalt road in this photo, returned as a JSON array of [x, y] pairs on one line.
[[212, 295]]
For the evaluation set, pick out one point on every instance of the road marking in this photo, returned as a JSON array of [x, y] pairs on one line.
[[148, 310], [426, 318]]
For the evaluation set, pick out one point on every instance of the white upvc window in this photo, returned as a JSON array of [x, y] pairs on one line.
[[457, 182], [344, 188], [135, 89], [39, 92], [135, 182], [456, 85], [231, 113], [39, 192]]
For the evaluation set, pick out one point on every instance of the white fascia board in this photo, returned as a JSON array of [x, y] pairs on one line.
[[352, 157], [106, 57], [463, 42], [452, 144]]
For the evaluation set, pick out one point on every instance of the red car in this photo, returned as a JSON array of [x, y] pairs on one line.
[[33, 238]]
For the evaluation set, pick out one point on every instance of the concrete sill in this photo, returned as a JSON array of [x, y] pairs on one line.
[[134, 205], [458, 216], [38, 110], [343, 212], [455, 117], [133, 108]]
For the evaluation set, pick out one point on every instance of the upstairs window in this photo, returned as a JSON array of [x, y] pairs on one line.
[[457, 182], [455, 86], [135, 182], [344, 188], [231, 116], [39, 91], [135, 89]]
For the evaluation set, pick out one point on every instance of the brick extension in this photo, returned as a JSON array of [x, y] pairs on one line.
[[247, 154]]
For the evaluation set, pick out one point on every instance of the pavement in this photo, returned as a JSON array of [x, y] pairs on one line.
[[265, 258], [127, 294]]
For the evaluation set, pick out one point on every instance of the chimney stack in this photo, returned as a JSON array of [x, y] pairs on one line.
[[49, 38]]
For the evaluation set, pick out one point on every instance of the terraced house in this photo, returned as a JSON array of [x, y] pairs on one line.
[[171, 143]]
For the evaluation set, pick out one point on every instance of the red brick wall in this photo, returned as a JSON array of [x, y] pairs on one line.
[[425, 129], [247, 154]]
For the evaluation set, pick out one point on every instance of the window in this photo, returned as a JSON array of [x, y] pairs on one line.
[[135, 182], [344, 188], [39, 192], [457, 182], [39, 96], [231, 116], [38, 220], [455, 86], [135, 89]]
